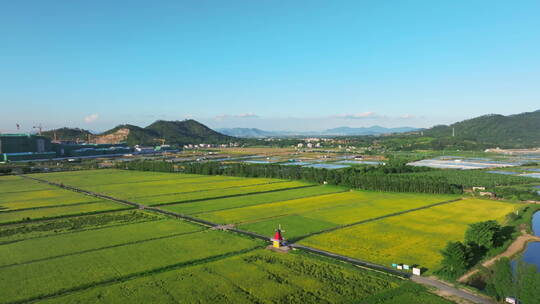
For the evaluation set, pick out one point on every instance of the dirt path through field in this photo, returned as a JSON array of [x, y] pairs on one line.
[[517, 246]]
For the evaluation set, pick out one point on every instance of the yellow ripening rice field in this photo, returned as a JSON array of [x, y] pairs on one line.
[[338, 208], [412, 238]]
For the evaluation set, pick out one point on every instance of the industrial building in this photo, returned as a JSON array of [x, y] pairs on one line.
[[15, 147], [17, 143], [22, 147]]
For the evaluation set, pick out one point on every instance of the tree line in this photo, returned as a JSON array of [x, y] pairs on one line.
[[375, 178], [480, 239]]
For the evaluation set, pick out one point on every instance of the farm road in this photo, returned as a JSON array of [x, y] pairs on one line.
[[452, 291], [517, 246], [442, 287]]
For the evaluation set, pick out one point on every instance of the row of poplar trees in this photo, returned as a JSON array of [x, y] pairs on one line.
[[379, 178]]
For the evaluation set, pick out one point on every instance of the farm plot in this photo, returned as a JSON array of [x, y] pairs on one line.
[[43, 213], [166, 188], [54, 276], [14, 184], [412, 238], [257, 277], [30, 230], [44, 201], [154, 188], [85, 178], [216, 193], [311, 214], [285, 193], [72, 243], [41, 198]]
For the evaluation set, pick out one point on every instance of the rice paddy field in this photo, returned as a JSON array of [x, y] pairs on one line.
[[303, 216], [412, 238], [259, 277], [165, 188], [60, 246], [23, 200]]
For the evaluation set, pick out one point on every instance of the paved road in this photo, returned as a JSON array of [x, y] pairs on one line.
[[421, 280], [350, 260], [447, 289]]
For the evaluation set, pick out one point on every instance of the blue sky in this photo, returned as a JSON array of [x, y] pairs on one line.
[[278, 65]]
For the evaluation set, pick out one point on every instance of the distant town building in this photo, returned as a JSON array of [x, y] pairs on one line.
[[490, 194], [141, 149]]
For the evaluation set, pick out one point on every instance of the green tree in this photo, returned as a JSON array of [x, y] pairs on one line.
[[483, 234], [455, 260], [500, 283], [527, 283]]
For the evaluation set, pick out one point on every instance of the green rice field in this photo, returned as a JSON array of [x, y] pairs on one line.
[[14, 184], [23, 200], [257, 277], [59, 246]]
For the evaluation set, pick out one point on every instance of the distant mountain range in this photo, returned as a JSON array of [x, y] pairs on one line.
[[341, 131], [172, 132], [519, 130]]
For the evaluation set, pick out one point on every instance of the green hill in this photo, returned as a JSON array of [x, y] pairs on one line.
[[173, 132], [187, 132], [67, 134], [130, 134], [519, 130]]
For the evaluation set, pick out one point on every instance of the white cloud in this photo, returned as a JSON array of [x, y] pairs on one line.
[[242, 115], [91, 118], [362, 115], [407, 116], [247, 115]]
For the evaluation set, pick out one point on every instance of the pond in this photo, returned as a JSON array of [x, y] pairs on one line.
[[504, 172], [361, 162], [532, 252], [535, 175], [327, 166], [258, 161], [297, 163]]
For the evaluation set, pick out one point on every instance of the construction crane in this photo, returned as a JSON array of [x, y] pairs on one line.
[[39, 128]]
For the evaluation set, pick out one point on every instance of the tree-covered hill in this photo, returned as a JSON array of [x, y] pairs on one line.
[[67, 134], [519, 130], [186, 132], [173, 132]]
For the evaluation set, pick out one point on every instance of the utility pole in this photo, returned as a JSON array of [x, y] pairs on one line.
[[453, 132]]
